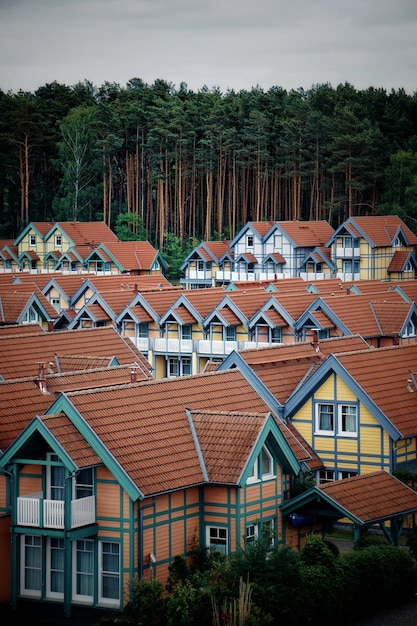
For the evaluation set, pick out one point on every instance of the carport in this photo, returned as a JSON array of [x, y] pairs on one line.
[[375, 499]]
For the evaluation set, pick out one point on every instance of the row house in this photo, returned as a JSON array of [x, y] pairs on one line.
[[377, 247], [106, 489], [80, 247], [180, 332], [106, 484]]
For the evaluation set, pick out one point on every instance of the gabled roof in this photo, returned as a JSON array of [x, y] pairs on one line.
[[391, 316], [366, 499], [20, 358], [145, 427], [82, 233], [15, 304], [379, 231], [309, 234], [400, 260]]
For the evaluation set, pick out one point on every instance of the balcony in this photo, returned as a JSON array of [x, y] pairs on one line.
[[33, 510], [347, 253], [173, 346], [227, 276], [348, 276], [209, 347]]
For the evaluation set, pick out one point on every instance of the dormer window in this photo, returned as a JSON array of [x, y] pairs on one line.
[[263, 468]]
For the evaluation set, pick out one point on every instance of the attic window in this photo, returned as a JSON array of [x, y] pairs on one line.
[[32, 240], [249, 241], [263, 467], [58, 241]]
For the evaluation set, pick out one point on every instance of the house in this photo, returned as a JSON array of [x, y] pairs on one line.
[[83, 247], [374, 247], [201, 265], [25, 304], [106, 488]]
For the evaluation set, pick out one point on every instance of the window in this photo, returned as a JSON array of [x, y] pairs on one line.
[[143, 329], [179, 366], [200, 266], [31, 566], [55, 479], [173, 366], [326, 476], [186, 331], [109, 569], [251, 533], [73, 266], [8, 264], [83, 570], [325, 418], [408, 267], [56, 303], [263, 467], [216, 539], [350, 267], [249, 241], [276, 335], [58, 241], [55, 578], [83, 484], [410, 330], [230, 333], [343, 475], [32, 240], [348, 419]]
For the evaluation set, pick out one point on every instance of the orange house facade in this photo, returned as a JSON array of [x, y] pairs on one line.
[[95, 500]]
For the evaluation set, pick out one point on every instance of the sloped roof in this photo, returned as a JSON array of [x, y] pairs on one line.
[[21, 329], [13, 303], [21, 399], [384, 376], [372, 497], [307, 234], [226, 439], [382, 229], [90, 233], [145, 425], [398, 261], [19, 359], [71, 440], [262, 228], [133, 255], [391, 316]]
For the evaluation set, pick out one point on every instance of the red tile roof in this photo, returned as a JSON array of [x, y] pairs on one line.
[[146, 428], [19, 359], [381, 229], [87, 233], [71, 440], [133, 255], [371, 497], [398, 261], [384, 375], [308, 234]]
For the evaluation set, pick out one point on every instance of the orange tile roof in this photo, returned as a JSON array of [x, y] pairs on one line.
[[184, 314], [261, 227], [381, 229], [226, 439], [133, 255], [71, 440], [218, 248], [14, 301], [87, 233], [146, 428], [384, 375], [21, 329], [371, 497], [391, 316], [19, 359], [398, 261], [308, 234]]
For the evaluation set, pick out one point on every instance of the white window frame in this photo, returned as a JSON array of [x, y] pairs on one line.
[[78, 597], [58, 241], [32, 240], [256, 472], [54, 595], [326, 476], [102, 599], [410, 329], [28, 542], [341, 413], [217, 536], [251, 532], [318, 413]]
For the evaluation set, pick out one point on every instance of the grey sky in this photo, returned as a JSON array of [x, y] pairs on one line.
[[236, 44]]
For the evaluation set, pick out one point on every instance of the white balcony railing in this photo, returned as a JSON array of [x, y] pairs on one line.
[[348, 276], [32, 510], [177, 346], [245, 276], [347, 252], [207, 346]]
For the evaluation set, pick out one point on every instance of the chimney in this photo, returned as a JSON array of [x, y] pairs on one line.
[[133, 376], [50, 326], [315, 341], [396, 341], [135, 288], [40, 381]]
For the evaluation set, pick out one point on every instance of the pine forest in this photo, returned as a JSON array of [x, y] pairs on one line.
[[155, 161]]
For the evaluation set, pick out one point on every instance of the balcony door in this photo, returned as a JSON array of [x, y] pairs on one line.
[[55, 479]]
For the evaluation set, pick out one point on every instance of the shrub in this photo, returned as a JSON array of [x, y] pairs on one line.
[[146, 603]]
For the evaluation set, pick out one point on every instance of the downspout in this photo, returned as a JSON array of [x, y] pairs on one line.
[[140, 546]]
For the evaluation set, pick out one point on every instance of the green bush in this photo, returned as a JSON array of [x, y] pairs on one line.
[[146, 605]]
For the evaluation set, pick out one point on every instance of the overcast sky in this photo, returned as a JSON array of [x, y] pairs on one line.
[[230, 44]]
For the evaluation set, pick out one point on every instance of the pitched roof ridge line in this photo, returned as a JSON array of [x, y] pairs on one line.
[[197, 445], [231, 413]]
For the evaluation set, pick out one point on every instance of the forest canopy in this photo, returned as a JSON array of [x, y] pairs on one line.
[[156, 159]]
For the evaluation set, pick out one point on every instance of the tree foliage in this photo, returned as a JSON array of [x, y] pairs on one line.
[[199, 165]]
